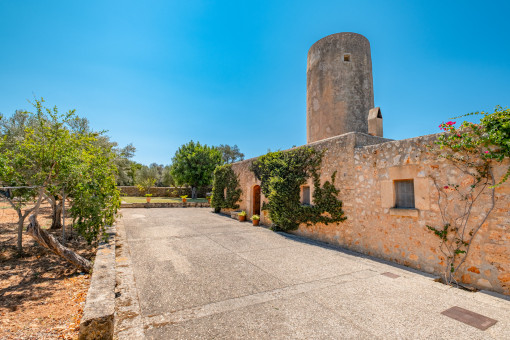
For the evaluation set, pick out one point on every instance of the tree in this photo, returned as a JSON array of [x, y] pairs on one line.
[[193, 164], [12, 131], [146, 178], [125, 170], [230, 154], [167, 180], [124, 164], [50, 158]]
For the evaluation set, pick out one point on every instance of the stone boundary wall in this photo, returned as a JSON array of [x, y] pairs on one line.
[[366, 168], [166, 205], [163, 191], [98, 315]]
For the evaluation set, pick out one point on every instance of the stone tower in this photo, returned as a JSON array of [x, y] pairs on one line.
[[340, 90]]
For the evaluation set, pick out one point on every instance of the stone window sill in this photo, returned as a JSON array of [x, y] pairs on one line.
[[404, 212]]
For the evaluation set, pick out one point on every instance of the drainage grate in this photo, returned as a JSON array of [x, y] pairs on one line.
[[468, 317], [388, 274]]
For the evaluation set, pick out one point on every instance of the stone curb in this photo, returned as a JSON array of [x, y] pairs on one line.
[[98, 314], [165, 205]]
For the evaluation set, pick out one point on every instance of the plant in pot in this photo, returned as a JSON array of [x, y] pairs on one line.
[[184, 198], [242, 216], [208, 196], [255, 219], [148, 197]]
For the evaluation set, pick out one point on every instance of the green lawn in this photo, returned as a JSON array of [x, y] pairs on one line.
[[130, 199]]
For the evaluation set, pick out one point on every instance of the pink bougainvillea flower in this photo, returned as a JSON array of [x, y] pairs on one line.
[[446, 187], [450, 123], [458, 135], [486, 151]]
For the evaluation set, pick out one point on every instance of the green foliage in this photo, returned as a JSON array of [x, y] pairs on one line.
[[95, 197], [166, 179], [327, 207], [442, 234], [50, 155], [255, 217], [472, 148], [488, 141], [146, 178], [225, 177], [126, 168], [230, 154], [282, 174], [242, 213], [193, 164]]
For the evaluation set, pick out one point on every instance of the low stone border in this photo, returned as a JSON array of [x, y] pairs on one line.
[[98, 314], [166, 205]]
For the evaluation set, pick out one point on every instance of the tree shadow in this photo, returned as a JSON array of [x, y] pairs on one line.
[[38, 274]]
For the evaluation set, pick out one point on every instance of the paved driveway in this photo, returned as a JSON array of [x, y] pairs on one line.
[[192, 274]]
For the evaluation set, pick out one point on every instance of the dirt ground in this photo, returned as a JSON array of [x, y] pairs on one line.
[[41, 296]]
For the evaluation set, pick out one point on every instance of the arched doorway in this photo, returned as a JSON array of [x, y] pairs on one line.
[[256, 200]]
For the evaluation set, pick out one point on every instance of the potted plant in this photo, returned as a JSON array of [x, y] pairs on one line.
[[242, 216], [148, 197], [255, 219], [184, 198], [208, 196]]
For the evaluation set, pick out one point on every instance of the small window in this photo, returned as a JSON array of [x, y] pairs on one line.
[[404, 194], [347, 57], [305, 195]]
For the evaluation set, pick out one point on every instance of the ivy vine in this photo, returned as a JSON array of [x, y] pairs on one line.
[[282, 173], [225, 177]]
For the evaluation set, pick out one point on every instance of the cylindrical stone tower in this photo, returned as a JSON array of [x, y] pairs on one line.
[[339, 86]]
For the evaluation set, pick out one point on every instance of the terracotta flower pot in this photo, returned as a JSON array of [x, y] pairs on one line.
[[242, 218], [148, 199], [183, 200], [256, 222]]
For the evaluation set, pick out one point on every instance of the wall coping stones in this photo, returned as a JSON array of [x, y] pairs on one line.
[[98, 314], [167, 205]]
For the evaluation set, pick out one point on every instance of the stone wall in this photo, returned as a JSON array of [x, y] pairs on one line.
[[366, 167], [163, 191]]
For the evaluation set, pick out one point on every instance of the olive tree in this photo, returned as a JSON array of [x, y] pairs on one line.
[[50, 158]]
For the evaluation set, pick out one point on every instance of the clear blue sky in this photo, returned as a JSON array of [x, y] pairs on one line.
[[160, 73]]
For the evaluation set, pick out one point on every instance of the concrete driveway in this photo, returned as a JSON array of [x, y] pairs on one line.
[[186, 273]]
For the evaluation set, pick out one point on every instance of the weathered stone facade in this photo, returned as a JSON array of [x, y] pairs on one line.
[[366, 167], [369, 168]]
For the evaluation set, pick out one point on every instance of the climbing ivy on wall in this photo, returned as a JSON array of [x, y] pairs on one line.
[[282, 174], [225, 177]]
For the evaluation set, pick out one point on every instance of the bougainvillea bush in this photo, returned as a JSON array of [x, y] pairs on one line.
[[473, 148]]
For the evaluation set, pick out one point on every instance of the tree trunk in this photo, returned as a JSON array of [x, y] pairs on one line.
[[56, 213], [193, 192], [21, 222], [48, 241]]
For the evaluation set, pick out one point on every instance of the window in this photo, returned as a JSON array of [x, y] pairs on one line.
[[347, 57], [404, 194], [305, 195]]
